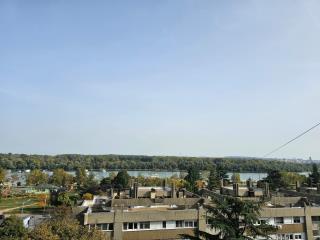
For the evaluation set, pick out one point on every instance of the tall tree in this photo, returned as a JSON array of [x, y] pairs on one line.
[[222, 172], [315, 175], [235, 178], [36, 177], [191, 178], [122, 179], [213, 180], [235, 219], [275, 180], [61, 178], [81, 176]]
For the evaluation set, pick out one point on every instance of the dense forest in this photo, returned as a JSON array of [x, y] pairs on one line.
[[72, 161]]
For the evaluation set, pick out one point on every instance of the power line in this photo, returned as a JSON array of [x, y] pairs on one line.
[[283, 145]]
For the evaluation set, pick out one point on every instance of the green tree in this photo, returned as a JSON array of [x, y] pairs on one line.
[[12, 229], [315, 175], [2, 175], [105, 181], [235, 178], [275, 180], [122, 179], [81, 176], [64, 199], [61, 178], [222, 172], [36, 177], [235, 219], [191, 178], [213, 180]]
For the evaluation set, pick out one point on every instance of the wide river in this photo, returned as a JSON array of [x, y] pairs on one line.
[[21, 175]]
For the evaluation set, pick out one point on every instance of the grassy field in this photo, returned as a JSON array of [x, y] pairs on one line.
[[6, 203]]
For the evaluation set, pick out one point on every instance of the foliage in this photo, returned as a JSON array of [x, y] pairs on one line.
[[81, 176], [61, 178], [122, 179], [315, 175], [235, 178], [12, 229], [222, 172], [36, 177], [63, 226], [235, 219], [213, 179], [74, 161], [290, 178], [65, 199], [278, 179], [43, 200], [106, 181], [2, 175], [191, 178], [275, 180], [87, 196]]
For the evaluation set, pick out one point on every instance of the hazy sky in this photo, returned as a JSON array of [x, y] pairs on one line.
[[200, 78]]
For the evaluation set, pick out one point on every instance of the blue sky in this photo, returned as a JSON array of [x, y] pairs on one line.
[[194, 78]]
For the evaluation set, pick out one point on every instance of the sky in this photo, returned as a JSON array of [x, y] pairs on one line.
[[190, 78]]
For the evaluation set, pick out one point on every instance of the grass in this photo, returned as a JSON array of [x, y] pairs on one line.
[[16, 202]]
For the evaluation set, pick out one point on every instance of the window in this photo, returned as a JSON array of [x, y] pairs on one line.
[[130, 226], [195, 224], [315, 218], [145, 225], [164, 224], [188, 223], [296, 220], [125, 226], [278, 220], [179, 224], [106, 227], [298, 236]]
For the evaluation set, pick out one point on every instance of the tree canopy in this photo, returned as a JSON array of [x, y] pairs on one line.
[[74, 161], [235, 219]]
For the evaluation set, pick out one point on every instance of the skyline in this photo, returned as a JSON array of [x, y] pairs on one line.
[[159, 78]]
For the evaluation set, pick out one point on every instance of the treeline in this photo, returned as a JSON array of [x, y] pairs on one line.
[[73, 161]]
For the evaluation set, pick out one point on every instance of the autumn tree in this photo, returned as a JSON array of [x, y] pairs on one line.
[[36, 177], [235, 178], [63, 226], [61, 178]]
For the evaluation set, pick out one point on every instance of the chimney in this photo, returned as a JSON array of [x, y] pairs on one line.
[[111, 193], [135, 190], [173, 190], [236, 189], [249, 183], [164, 183], [266, 191]]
